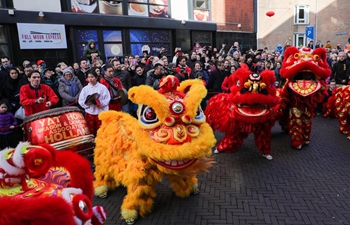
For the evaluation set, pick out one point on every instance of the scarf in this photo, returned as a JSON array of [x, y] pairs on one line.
[[73, 89], [112, 91]]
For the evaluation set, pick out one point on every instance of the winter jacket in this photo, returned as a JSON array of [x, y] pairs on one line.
[[63, 90]]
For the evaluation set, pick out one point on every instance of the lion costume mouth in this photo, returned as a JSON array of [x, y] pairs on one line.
[[252, 110], [304, 87], [175, 164]]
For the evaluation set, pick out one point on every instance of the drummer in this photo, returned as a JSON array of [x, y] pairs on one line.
[[113, 84], [36, 97], [94, 98]]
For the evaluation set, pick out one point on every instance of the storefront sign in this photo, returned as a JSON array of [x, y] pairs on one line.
[[41, 36]]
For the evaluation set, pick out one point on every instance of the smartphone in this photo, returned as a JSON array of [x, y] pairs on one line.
[[134, 62]]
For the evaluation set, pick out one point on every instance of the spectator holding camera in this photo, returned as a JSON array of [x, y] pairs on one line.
[[182, 68]]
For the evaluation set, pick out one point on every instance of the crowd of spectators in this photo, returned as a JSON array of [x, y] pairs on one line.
[[96, 86]]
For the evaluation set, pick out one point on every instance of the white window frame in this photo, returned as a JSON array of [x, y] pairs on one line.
[[297, 19], [296, 39], [206, 8]]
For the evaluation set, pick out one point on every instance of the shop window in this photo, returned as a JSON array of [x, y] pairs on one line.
[[109, 42], [84, 6], [112, 40], [110, 7], [148, 8], [202, 37], [83, 36], [301, 15], [151, 41], [201, 10], [4, 49]]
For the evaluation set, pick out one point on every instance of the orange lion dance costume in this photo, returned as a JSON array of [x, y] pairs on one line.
[[170, 138], [40, 186], [305, 72], [247, 109]]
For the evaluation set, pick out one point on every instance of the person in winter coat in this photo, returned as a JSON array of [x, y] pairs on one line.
[[113, 84], [182, 68], [10, 90], [279, 49], [69, 87], [7, 126], [91, 52], [199, 73]]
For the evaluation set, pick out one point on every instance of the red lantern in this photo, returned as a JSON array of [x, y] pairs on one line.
[[270, 13]]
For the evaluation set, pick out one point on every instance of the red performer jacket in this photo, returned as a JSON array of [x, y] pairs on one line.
[[113, 105], [28, 96]]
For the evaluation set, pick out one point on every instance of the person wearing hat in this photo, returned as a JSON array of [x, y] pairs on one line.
[[91, 52], [172, 71], [50, 78], [116, 89], [69, 87], [94, 98], [41, 66]]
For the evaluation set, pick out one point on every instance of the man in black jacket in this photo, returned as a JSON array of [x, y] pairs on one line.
[[340, 70], [216, 78], [125, 78]]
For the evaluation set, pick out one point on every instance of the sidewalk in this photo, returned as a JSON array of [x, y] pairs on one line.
[[307, 186]]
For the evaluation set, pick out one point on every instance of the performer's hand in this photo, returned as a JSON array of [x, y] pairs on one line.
[[98, 103], [41, 100], [11, 127], [48, 104]]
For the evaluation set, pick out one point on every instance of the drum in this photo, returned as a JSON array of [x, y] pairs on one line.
[[64, 128]]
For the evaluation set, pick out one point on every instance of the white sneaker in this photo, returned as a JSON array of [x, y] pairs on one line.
[[216, 151], [269, 157]]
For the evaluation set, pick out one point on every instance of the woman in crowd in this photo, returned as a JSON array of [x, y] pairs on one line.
[[69, 87], [199, 73], [10, 90]]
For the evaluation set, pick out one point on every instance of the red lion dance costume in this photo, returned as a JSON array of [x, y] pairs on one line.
[[247, 109], [338, 106], [39, 186], [305, 72]]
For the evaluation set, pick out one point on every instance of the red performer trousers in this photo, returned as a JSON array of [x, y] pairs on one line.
[[93, 123]]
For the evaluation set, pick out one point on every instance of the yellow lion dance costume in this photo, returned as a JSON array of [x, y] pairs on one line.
[[170, 138]]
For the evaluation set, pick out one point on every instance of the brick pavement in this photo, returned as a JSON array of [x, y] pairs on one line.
[[307, 186]]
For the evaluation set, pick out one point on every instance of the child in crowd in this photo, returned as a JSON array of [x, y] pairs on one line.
[[7, 125]]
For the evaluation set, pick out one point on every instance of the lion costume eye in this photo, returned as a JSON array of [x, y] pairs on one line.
[[148, 116]]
